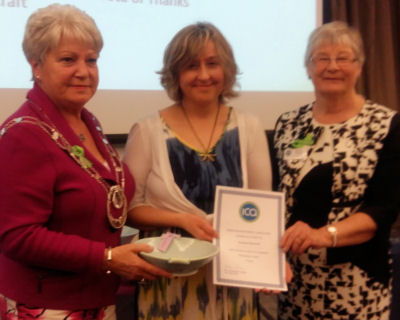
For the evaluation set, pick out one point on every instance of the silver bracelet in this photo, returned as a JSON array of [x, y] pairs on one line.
[[333, 231]]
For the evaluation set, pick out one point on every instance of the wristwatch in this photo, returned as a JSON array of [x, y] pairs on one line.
[[333, 231]]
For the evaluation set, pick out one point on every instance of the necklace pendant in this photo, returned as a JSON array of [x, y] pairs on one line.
[[116, 200], [207, 156], [117, 197]]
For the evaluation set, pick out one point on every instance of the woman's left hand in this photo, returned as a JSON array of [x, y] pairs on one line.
[[199, 227], [300, 236]]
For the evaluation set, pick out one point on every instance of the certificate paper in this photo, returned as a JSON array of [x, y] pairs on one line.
[[250, 224]]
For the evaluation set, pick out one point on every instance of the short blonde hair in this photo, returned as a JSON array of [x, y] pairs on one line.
[[336, 32], [46, 26], [185, 47]]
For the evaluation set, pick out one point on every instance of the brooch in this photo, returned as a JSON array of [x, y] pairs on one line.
[[79, 153], [308, 140]]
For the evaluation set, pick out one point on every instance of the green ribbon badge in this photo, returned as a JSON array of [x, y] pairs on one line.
[[78, 152], [308, 140]]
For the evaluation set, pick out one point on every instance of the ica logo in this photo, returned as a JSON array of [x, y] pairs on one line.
[[249, 211]]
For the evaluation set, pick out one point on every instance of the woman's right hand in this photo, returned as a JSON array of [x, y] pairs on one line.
[[197, 226], [126, 263]]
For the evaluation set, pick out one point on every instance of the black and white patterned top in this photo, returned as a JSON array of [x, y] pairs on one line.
[[347, 167]]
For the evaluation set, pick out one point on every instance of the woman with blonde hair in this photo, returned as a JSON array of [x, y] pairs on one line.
[[64, 191], [177, 158]]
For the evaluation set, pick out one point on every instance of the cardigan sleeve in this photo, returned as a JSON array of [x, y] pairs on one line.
[[382, 196], [258, 159], [137, 156], [28, 177]]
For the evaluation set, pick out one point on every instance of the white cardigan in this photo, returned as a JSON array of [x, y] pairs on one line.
[[147, 157]]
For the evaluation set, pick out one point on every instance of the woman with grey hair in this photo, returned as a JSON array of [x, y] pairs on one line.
[[339, 165], [64, 190], [177, 158]]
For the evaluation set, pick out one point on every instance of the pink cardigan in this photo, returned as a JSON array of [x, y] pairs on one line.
[[53, 228]]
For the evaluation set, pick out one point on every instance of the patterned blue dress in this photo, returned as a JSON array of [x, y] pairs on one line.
[[188, 297]]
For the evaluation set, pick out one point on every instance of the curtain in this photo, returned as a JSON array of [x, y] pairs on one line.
[[379, 24]]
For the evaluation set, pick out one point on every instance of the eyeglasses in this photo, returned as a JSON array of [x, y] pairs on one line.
[[323, 62]]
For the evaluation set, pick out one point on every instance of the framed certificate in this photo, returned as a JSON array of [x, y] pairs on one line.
[[250, 224]]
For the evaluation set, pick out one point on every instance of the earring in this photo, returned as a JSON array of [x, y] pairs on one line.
[[37, 77]]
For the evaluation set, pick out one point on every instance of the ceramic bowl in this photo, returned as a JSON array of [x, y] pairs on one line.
[[129, 235], [183, 257]]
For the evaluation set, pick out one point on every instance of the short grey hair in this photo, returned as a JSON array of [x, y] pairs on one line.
[[336, 32], [46, 26], [185, 47]]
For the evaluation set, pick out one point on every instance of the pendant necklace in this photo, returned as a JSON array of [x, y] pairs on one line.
[[116, 199], [206, 154]]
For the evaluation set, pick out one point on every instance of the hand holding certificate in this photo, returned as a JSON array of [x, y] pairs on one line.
[[250, 224]]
